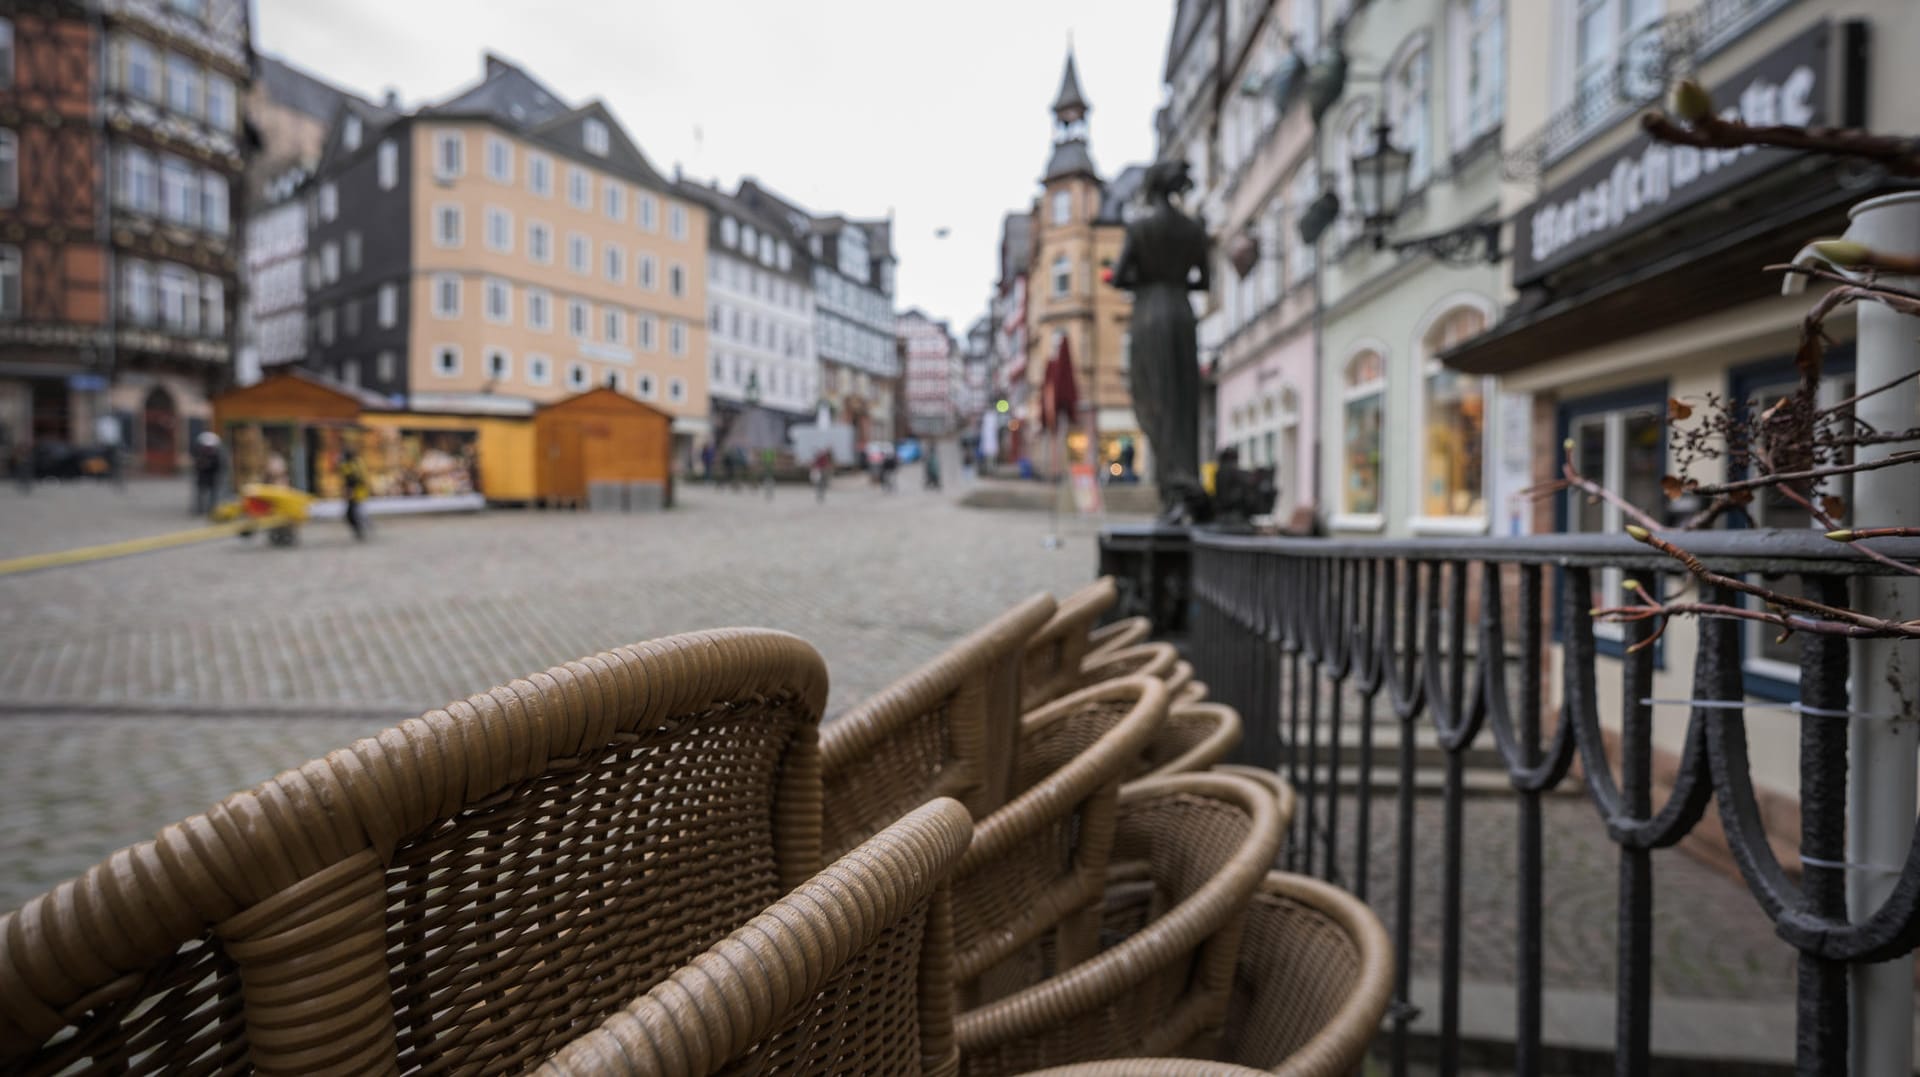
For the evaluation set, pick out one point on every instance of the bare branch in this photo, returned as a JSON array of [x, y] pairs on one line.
[[1900, 156], [1777, 478]]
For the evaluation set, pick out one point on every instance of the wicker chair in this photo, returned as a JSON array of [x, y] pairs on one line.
[[1157, 660], [850, 974], [1189, 851], [1314, 979], [465, 892], [1117, 634], [1040, 862], [1051, 666], [946, 729], [1194, 737], [1193, 691]]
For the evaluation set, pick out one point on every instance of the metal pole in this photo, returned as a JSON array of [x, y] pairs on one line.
[[1886, 673]]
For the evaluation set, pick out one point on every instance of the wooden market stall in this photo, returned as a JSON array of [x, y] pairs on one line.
[[603, 448]]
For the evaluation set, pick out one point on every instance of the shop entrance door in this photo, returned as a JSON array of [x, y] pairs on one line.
[[52, 417], [160, 423]]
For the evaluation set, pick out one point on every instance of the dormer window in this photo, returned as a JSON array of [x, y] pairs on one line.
[[595, 133], [350, 134]]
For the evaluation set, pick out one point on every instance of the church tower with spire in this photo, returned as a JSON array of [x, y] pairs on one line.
[[1078, 228]]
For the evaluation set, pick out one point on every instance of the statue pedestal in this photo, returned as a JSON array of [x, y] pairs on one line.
[[1152, 565]]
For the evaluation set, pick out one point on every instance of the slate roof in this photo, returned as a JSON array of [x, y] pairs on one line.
[[1070, 158], [507, 93], [509, 96], [302, 92], [1124, 189], [1016, 245], [1070, 98]]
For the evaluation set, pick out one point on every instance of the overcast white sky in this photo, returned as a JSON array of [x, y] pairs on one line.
[[936, 109]]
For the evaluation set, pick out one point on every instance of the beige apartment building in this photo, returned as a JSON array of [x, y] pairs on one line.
[[503, 250]]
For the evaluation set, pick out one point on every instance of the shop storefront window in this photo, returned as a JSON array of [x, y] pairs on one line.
[[1364, 411], [1454, 425]]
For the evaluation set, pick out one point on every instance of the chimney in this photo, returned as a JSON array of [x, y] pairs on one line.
[[390, 100], [676, 172]]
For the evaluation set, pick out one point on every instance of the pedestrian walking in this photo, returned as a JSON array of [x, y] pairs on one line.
[[353, 475], [706, 463], [822, 472], [932, 468], [206, 472], [767, 460], [888, 466]]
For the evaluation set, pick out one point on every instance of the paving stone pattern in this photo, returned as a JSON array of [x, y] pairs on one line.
[[137, 691]]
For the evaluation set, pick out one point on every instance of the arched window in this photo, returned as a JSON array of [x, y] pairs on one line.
[[1478, 95], [1410, 111], [1363, 410], [1454, 423]]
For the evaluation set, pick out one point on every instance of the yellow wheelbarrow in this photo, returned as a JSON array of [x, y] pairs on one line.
[[277, 510]]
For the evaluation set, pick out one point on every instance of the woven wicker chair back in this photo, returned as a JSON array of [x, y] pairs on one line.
[[946, 729], [462, 893], [850, 974]]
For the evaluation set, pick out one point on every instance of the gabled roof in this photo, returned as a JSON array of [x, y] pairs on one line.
[[1070, 98], [508, 94], [765, 216], [565, 131]]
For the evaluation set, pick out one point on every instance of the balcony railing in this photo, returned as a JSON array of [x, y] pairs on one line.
[[1299, 634]]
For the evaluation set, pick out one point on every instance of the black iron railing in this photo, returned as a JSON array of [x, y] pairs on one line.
[[1455, 634]]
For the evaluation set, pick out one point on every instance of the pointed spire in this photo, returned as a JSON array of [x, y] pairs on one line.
[[1070, 104]]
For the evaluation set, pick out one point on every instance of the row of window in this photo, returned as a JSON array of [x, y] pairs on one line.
[[1286, 260], [612, 322], [743, 277], [843, 296], [448, 362], [744, 238], [449, 232], [162, 185], [172, 297], [738, 372], [147, 73], [450, 162], [746, 329], [846, 342]]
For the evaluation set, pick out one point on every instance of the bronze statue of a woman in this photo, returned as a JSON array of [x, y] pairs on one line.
[[1165, 257]]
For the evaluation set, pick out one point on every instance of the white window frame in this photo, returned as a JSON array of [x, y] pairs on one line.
[[353, 250], [540, 242], [491, 288], [386, 365], [613, 325], [647, 333], [329, 202], [501, 358], [579, 319], [449, 154], [649, 272], [539, 370], [499, 159], [1062, 207], [441, 308], [179, 191], [647, 211], [676, 279], [677, 337], [1409, 95], [613, 200], [185, 76], [1428, 364], [677, 390], [387, 305], [579, 187], [579, 378], [595, 136], [1303, 189], [540, 310], [1060, 276], [351, 129], [677, 221], [442, 352], [387, 163], [443, 213], [138, 56], [1476, 34], [579, 253], [1572, 81], [499, 229], [646, 386], [540, 174], [613, 260]]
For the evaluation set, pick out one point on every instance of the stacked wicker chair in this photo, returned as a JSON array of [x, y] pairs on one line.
[[656, 861]]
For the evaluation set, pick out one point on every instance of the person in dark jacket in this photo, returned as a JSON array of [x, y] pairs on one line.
[[206, 472], [353, 475]]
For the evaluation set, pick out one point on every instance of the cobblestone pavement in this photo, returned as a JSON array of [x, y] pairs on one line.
[[137, 691]]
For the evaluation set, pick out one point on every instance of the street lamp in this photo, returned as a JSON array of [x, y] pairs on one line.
[[1380, 182]]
